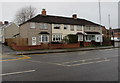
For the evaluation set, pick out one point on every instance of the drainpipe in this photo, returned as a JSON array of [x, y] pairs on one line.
[[83, 27]]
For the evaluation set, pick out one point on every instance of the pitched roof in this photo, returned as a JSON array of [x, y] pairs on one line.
[[59, 20], [116, 30]]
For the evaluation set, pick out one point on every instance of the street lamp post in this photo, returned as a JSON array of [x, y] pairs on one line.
[[100, 22], [109, 26]]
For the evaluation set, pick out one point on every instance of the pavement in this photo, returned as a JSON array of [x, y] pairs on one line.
[[55, 50]]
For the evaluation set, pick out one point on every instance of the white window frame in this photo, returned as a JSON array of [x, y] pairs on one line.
[[43, 26], [32, 25], [88, 38], [72, 28], [79, 28], [80, 37], [41, 36], [57, 35], [56, 25]]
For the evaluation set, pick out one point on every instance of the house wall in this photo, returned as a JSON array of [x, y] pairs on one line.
[[27, 32], [24, 30], [65, 32], [98, 37], [105, 32], [1, 35], [10, 31], [93, 29]]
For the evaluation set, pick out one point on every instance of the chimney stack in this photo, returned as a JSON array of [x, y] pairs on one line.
[[6, 22], [43, 12], [74, 16]]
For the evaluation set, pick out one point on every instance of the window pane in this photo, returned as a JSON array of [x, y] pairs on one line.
[[57, 37], [32, 25], [56, 26], [72, 27], [79, 28], [43, 26]]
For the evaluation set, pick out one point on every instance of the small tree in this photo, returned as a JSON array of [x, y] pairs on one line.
[[24, 14]]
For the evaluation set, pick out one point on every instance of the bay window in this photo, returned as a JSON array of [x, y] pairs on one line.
[[57, 37], [43, 26], [44, 38]]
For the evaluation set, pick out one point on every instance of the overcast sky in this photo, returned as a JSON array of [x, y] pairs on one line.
[[86, 10]]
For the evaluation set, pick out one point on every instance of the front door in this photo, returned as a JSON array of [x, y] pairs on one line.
[[33, 40]]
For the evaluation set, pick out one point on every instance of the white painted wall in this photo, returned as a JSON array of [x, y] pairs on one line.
[[63, 31], [98, 38]]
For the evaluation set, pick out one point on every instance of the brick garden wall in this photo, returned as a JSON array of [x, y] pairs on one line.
[[58, 46], [44, 46], [87, 44], [30, 47]]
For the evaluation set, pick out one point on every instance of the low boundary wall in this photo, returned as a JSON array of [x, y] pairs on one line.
[[44, 46]]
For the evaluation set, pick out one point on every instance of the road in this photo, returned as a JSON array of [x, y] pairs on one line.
[[95, 65]]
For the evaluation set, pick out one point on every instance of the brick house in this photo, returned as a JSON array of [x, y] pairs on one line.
[[105, 32], [8, 30], [47, 28], [116, 34]]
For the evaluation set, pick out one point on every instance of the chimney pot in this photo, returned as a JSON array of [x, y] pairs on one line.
[[43, 12], [6, 22], [74, 16]]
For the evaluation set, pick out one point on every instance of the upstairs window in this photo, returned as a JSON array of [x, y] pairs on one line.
[[57, 37], [79, 28], [56, 26], [65, 27], [43, 26], [72, 27], [99, 28], [32, 25], [88, 27]]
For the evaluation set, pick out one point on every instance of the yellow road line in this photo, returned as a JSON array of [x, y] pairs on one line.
[[24, 57]]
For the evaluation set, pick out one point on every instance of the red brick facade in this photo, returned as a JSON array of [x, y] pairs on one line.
[[87, 44], [43, 46], [56, 46], [20, 48]]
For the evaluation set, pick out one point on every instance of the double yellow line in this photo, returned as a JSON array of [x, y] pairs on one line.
[[21, 58]]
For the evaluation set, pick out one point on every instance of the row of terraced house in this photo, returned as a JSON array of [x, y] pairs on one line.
[[46, 28], [43, 29]]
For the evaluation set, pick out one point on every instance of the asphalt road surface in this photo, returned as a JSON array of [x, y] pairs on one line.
[[95, 65]]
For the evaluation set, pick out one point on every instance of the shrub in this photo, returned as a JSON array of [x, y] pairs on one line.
[[72, 38]]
